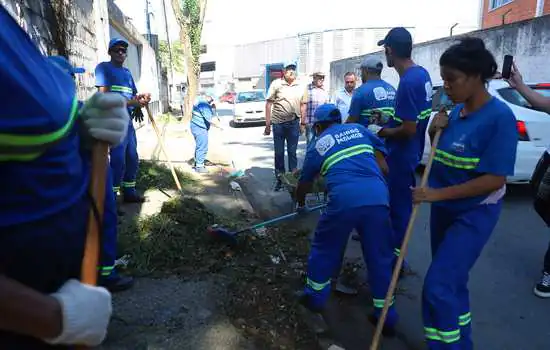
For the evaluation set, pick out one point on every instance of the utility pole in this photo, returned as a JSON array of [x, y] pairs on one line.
[[148, 21], [169, 49]]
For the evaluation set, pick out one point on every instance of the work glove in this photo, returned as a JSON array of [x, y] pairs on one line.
[[137, 115], [105, 117], [86, 313], [375, 129]]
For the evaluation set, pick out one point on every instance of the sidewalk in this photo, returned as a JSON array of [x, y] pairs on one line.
[[192, 292]]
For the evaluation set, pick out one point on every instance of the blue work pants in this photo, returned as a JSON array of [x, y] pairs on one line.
[[109, 234], [201, 144], [331, 236], [310, 134], [43, 255], [400, 180], [457, 240], [125, 163], [288, 132]]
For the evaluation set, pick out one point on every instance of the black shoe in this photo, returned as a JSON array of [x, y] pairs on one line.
[[387, 331], [117, 283], [133, 198], [542, 289], [356, 237]]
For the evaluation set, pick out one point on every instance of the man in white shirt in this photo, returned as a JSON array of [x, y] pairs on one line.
[[342, 98]]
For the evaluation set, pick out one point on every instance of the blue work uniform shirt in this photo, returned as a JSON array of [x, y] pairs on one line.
[[202, 114], [483, 142], [117, 79], [42, 170], [344, 154], [373, 96], [413, 102]]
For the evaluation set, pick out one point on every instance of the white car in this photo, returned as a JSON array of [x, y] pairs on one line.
[[533, 126], [249, 107]]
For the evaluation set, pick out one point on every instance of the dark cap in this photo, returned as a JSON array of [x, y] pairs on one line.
[[396, 36], [117, 41]]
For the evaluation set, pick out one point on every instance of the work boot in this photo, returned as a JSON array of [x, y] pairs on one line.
[[117, 283], [542, 289], [133, 197], [387, 331]]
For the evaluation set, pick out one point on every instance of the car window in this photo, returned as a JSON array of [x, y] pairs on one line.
[[440, 98], [250, 96], [514, 97]]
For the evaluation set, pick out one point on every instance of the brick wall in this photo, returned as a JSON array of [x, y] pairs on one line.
[[546, 9], [519, 10]]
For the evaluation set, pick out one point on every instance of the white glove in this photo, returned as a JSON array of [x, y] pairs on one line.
[[375, 129], [106, 118], [86, 314]]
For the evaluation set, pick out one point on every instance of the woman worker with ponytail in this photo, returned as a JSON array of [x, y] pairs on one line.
[[476, 151]]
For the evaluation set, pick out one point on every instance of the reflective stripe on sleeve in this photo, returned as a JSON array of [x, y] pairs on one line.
[[30, 147]]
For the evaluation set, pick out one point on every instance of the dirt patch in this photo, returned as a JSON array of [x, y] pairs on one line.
[[259, 277]]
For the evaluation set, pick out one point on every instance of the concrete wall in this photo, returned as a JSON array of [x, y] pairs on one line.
[[527, 41]]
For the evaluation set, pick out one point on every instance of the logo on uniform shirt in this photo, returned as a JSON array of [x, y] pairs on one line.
[[459, 146], [324, 144], [380, 94], [348, 135]]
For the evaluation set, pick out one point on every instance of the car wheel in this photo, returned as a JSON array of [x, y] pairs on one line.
[[233, 124]]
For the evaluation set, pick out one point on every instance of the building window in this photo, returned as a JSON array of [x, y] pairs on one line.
[[493, 4]]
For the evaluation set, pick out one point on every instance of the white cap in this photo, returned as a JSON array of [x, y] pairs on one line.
[[372, 63]]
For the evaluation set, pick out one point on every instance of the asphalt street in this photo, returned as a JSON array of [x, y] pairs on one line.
[[506, 315]]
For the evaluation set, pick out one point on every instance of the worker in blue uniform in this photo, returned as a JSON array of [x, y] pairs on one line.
[[405, 133], [45, 204], [201, 120], [351, 160], [476, 151], [113, 76], [374, 101], [109, 276]]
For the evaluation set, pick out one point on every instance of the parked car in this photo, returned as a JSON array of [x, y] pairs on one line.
[[228, 97], [249, 107], [533, 126]]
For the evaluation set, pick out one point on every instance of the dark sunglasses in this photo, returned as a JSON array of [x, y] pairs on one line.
[[119, 50]]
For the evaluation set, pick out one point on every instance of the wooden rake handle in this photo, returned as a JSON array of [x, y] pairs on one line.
[[97, 191], [404, 246], [163, 148]]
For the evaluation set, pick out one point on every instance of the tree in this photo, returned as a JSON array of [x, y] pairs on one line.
[[190, 17], [177, 55]]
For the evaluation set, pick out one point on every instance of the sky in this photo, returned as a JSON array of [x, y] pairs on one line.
[[241, 21]]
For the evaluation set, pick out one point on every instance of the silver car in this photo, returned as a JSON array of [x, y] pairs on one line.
[[249, 107]]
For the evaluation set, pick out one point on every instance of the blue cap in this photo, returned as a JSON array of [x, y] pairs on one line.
[[396, 36], [287, 64], [64, 64], [327, 112], [117, 41]]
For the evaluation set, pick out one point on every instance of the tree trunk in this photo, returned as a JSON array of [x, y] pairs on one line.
[[192, 62]]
